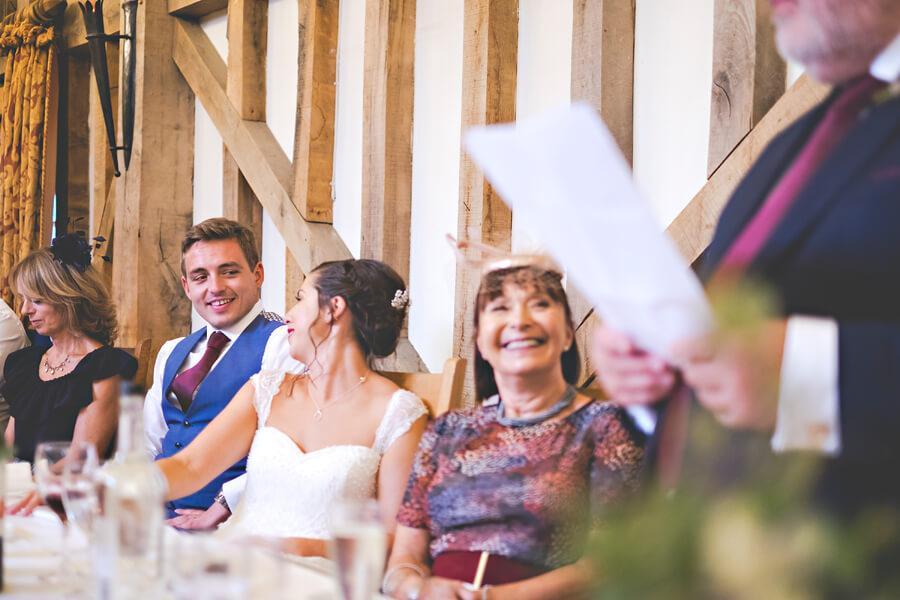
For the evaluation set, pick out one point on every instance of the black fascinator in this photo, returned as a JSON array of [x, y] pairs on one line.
[[72, 249]]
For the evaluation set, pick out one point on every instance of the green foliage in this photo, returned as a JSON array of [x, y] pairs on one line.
[[742, 527]]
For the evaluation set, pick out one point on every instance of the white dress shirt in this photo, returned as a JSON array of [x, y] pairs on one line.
[[809, 399]]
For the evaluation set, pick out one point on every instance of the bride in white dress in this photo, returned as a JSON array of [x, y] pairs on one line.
[[338, 431]]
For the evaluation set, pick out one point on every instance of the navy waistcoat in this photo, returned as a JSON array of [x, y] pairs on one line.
[[242, 360]]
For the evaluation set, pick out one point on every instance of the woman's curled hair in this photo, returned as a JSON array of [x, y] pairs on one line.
[[78, 291], [369, 287]]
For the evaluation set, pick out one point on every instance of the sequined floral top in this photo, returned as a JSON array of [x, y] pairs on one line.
[[528, 493]]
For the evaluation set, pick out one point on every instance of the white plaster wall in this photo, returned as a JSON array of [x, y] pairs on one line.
[[348, 124], [672, 83], [435, 177], [544, 71], [282, 45]]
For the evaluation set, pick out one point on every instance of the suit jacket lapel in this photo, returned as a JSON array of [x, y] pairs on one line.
[[840, 168], [757, 184]]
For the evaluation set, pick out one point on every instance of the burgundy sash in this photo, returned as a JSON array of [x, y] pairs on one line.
[[461, 566]]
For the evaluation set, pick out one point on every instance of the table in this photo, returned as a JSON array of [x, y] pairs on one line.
[[31, 557]]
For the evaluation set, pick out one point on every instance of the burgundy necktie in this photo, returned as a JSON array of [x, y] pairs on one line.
[[836, 123], [186, 383], [838, 120]]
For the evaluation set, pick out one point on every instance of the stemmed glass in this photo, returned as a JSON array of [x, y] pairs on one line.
[[80, 497], [358, 547], [49, 458]]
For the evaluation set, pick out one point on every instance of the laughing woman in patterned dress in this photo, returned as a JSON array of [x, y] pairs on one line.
[[523, 475]]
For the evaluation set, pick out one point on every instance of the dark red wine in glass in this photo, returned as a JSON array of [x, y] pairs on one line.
[[54, 501]]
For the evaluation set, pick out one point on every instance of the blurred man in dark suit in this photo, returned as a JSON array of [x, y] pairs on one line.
[[817, 220]]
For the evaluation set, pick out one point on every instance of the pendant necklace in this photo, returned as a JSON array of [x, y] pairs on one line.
[[50, 369], [318, 414], [565, 402]]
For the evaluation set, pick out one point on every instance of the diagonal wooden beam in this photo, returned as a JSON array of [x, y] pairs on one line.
[[693, 228], [748, 74], [195, 8], [254, 148], [387, 131]]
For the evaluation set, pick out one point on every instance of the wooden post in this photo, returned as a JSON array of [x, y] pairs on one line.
[[293, 280], [693, 228], [748, 74], [387, 131], [602, 75], [603, 64], [490, 46], [155, 195], [246, 88], [314, 133]]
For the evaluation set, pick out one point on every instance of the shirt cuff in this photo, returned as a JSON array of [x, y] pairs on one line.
[[808, 400]]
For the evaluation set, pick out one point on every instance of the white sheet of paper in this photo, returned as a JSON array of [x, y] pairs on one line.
[[568, 185]]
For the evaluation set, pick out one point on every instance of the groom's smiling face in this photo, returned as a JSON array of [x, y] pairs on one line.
[[220, 283]]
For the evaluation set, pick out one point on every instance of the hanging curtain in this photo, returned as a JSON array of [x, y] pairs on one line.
[[28, 117]]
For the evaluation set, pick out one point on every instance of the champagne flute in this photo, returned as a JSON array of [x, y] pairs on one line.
[[358, 547], [79, 489], [49, 459]]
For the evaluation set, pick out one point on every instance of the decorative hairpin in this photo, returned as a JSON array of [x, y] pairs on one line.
[[400, 299], [494, 259]]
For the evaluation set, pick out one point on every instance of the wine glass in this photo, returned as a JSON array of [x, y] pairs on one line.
[[358, 547], [79, 490], [49, 460]]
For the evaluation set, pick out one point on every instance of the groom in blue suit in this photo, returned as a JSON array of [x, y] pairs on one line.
[[816, 219], [196, 376]]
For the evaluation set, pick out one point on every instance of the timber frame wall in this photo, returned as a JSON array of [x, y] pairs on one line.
[[144, 213]]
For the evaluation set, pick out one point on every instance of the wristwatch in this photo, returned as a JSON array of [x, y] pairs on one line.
[[220, 498]]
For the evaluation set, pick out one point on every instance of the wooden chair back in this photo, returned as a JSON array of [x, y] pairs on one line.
[[145, 356], [439, 391]]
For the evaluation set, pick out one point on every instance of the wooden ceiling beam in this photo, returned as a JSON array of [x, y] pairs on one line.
[[693, 228], [251, 143]]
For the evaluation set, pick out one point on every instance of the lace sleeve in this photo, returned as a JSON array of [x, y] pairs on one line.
[[404, 409], [265, 385]]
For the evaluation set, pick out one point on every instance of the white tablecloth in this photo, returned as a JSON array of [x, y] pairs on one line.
[[31, 558]]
